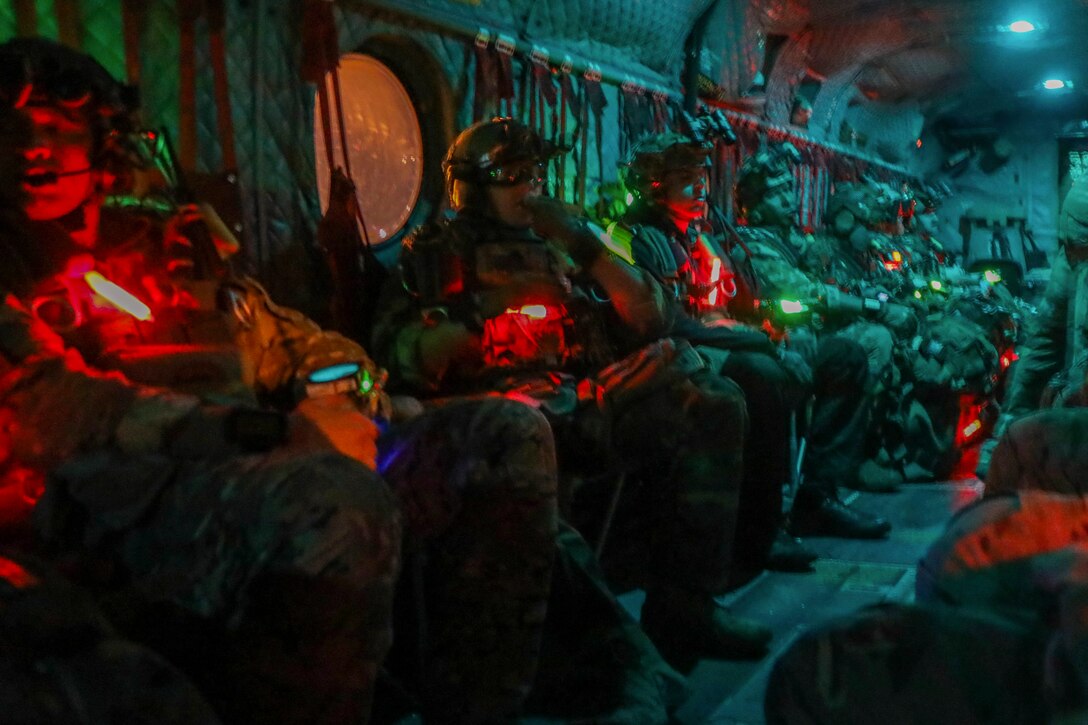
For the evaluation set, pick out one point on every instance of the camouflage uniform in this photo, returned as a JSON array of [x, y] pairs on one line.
[[854, 360], [290, 557], [659, 411], [61, 662], [744, 355], [1054, 352], [476, 484]]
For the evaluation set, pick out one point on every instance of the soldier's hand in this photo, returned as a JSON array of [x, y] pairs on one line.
[[403, 407], [334, 422], [561, 223], [795, 366], [899, 318], [178, 231]]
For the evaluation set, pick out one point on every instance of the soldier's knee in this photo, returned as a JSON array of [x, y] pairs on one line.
[[512, 423], [841, 366], [716, 407], [762, 378], [337, 516]]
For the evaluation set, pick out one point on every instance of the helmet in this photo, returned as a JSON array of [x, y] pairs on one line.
[[655, 156], [41, 72], [849, 206], [1073, 221], [763, 172], [501, 151]]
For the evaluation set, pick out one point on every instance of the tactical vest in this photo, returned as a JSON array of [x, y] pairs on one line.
[[511, 287], [773, 272], [119, 307]]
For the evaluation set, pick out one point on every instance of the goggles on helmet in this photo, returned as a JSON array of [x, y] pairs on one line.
[[516, 173], [35, 71]]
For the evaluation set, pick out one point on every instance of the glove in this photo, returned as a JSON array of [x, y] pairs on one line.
[[554, 220], [795, 366], [899, 318]]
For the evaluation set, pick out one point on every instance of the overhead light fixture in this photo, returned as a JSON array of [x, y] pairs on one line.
[[1022, 26], [1056, 84]]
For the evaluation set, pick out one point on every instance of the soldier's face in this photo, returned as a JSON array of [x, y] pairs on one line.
[[683, 194], [507, 201], [58, 176], [778, 207]]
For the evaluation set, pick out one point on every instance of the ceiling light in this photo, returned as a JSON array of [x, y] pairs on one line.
[[1022, 26], [1055, 84]]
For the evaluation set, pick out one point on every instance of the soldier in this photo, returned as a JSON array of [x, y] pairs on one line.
[[278, 567], [668, 176], [949, 359], [1045, 449], [488, 302], [771, 257], [62, 662], [274, 572]]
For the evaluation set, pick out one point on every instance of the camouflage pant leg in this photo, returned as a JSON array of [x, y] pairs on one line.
[[877, 341], [597, 664], [61, 662], [1045, 451], [686, 440], [476, 480], [284, 563], [766, 454], [841, 415]]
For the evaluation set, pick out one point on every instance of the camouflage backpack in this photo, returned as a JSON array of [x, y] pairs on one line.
[[956, 354]]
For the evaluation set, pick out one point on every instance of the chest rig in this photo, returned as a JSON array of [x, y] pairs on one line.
[[512, 288], [120, 307], [704, 276]]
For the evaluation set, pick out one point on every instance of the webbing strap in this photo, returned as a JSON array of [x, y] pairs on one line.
[[26, 17], [217, 22], [69, 25], [187, 138], [132, 19]]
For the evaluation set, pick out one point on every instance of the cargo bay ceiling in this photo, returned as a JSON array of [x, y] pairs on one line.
[[954, 57]]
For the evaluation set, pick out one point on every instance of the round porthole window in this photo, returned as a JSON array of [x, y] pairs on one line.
[[385, 144]]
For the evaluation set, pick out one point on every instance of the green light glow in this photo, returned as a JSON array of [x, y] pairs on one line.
[[936, 284], [992, 276], [791, 307]]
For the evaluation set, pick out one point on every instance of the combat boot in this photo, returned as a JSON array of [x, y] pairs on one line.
[[875, 478], [685, 625], [789, 554], [817, 514]]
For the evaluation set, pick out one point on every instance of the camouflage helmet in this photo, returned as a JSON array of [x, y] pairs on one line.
[[655, 156], [494, 152], [38, 71], [851, 199], [764, 172], [1073, 222]]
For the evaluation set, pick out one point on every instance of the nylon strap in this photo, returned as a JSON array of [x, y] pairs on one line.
[[26, 17], [132, 19], [69, 25], [217, 22], [487, 77], [187, 138], [318, 35], [582, 168]]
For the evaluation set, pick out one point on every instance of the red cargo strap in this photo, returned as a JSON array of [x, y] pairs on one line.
[[217, 22], [187, 139]]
